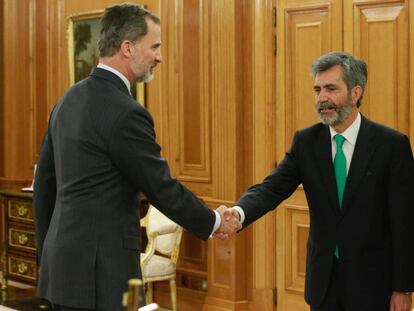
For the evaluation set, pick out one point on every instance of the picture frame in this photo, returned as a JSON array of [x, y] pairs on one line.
[[83, 35]]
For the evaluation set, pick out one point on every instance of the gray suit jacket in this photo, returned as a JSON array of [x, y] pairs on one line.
[[99, 152], [374, 226]]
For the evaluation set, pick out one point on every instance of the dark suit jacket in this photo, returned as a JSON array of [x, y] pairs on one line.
[[374, 227], [98, 154]]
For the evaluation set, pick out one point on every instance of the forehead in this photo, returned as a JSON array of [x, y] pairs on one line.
[[331, 76]]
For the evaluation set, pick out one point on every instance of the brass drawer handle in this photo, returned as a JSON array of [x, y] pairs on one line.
[[22, 238], [22, 210], [22, 268]]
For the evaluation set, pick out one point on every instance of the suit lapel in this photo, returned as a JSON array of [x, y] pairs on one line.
[[323, 155], [363, 151]]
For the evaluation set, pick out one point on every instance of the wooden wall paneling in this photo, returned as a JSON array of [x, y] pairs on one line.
[[25, 102], [226, 287], [223, 87], [223, 97], [40, 74], [194, 105], [193, 123], [297, 231], [306, 30], [156, 100], [19, 91], [263, 149], [56, 57], [244, 134], [388, 90], [164, 107], [193, 262], [306, 25], [2, 102]]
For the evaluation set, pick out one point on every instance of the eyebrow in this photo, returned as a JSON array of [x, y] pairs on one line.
[[325, 86]]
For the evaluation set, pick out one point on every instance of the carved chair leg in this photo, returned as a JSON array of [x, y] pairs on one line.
[[173, 289], [148, 294]]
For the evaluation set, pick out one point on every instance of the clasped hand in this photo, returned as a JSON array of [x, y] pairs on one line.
[[230, 223]]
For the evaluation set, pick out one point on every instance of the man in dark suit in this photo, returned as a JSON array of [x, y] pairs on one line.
[[99, 152], [358, 177]]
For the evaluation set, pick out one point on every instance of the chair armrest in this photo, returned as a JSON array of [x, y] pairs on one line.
[[143, 221], [167, 229], [150, 250]]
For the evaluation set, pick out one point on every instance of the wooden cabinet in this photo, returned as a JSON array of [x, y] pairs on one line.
[[18, 238]]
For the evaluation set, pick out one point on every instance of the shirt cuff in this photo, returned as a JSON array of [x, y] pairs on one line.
[[241, 213], [217, 223]]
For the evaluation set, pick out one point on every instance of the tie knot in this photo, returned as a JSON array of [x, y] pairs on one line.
[[339, 139]]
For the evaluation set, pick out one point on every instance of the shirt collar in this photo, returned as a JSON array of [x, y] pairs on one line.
[[351, 133], [119, 74]]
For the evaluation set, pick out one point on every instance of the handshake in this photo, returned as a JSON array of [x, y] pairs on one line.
[[230, 223]]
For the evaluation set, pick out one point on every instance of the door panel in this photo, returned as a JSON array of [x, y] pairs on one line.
[[380, 36], [309, 33]]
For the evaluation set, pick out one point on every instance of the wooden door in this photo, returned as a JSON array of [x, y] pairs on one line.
[[306, 30], [378, 32]]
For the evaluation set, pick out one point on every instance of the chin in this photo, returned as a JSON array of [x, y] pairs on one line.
[[328, 120], [145, 78], [148, 78]]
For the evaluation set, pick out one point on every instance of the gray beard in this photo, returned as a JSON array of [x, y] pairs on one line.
[[147, 77], [341, 113]]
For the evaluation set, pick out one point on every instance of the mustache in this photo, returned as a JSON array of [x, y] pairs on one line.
[[325, 105]]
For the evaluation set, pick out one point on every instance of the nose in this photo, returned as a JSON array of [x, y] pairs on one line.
[[321, 96], [158, 57]]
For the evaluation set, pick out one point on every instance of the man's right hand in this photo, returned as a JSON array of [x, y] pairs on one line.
[[230, 223]]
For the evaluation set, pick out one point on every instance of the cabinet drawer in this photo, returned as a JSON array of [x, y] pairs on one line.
[[22, 268], [22, 239], [21, 210]]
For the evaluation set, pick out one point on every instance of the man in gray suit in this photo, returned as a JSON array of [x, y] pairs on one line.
[[99, 152]]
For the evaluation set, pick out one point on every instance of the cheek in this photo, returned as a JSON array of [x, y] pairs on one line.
[[340, 99]]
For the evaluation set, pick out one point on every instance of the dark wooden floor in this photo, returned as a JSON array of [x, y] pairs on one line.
[[23, 300]]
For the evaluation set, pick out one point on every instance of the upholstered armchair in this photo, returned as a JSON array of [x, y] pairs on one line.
[[158, 263]]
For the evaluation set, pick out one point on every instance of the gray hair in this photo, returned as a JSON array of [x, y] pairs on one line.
[[123, 22], [354, 70]]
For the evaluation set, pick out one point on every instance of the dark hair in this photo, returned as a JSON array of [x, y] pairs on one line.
[[123, 22], [354, 69]]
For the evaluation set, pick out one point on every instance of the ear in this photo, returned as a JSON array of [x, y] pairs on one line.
[[126, 48], [356, 93]]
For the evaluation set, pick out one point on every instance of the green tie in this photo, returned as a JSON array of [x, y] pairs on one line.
[[340, 173]]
